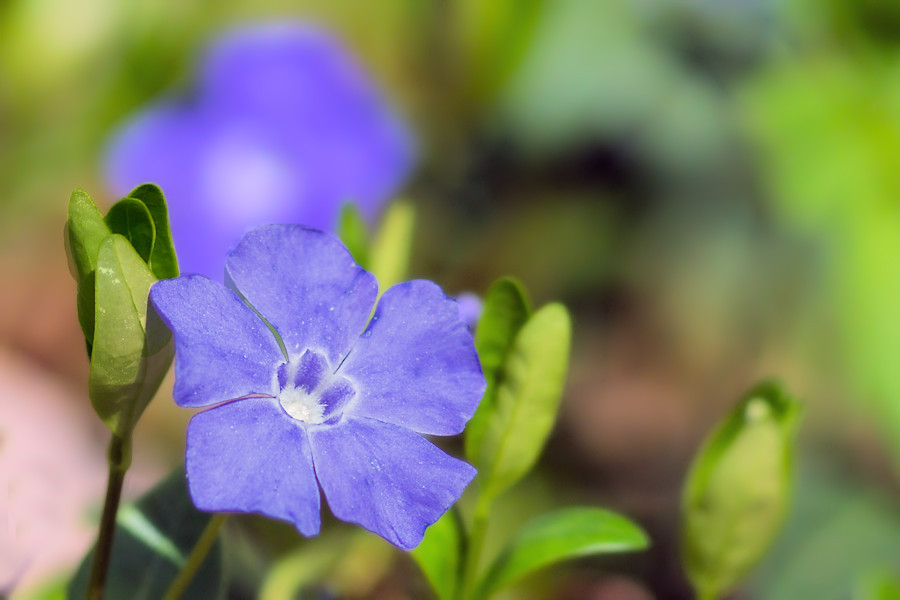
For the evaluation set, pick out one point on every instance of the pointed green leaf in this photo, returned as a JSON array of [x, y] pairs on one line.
[[127, 365], [352, 231], [131, 219], [439, 555], [390, 252], [85, 231], [527, 401], [558, 536], [163, 261], [504, 312], [738, 490], [152, 541]]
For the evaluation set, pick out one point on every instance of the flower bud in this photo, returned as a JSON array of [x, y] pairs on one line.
[[738, 491]]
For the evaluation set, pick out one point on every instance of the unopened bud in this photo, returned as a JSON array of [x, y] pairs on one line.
[[738, 491]]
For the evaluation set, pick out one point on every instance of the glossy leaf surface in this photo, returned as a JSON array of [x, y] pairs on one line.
[[85, 231], [163, 261], [131, 219], [127, 364]]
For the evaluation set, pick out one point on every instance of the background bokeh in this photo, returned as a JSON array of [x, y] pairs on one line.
[[712, 187]]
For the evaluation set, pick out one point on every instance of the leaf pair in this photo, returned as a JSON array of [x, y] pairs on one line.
[[547, 540], [115, 260], [525, 358]]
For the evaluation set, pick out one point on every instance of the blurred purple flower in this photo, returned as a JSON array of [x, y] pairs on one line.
[[344, 409], [284, 127], [470, 306]]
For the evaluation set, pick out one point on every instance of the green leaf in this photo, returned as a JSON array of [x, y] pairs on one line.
[[85, 231], [131, 219], [352, 231], [152, 541], [527, 401], [505, 311], [738, 490], [558, 536], [389, 257], [439, 555], [127, 364], [163, 261], [879, 585]]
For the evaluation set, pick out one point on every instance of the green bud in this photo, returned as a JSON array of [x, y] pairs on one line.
[[132, 347], [115, 260], [738, 491]]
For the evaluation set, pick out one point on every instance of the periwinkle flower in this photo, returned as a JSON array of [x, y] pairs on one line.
[[283, 127], [342, 402], [470, 308]]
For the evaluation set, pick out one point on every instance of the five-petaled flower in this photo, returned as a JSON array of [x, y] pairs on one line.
[[283, 127], [340, 399]]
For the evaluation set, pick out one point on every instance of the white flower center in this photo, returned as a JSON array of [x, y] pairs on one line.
[[302, 406]]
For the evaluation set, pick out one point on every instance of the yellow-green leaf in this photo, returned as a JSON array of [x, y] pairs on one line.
[[738, 490], [389, 256], [527, 401]]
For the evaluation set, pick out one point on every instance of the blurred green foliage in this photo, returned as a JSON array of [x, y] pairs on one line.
[[829, 127]]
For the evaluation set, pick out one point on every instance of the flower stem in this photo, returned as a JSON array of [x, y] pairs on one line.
[[477, 535], [119, 458], [196, 558]]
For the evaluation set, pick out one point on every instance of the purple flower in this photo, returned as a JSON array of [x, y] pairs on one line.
[[343, 403], [283, 127], [470, 307]]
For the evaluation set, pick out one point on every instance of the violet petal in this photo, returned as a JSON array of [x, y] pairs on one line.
[[249, 456], [386, 478], [223, 350], [415, 365], [307, 286]]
